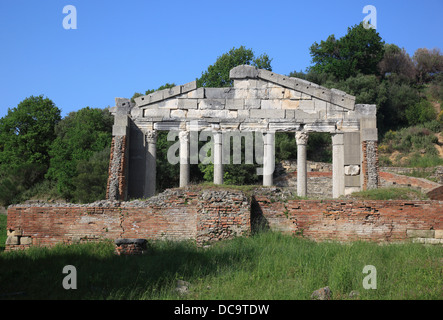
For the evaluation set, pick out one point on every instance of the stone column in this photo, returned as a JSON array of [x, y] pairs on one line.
[[302, 178], [218, 164], [269, 158], [184, 158], [151, 163], [338, 165]]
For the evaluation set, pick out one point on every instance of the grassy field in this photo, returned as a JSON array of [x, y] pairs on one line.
[[266, 266]]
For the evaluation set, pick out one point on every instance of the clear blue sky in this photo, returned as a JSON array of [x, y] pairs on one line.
[[122, 47]]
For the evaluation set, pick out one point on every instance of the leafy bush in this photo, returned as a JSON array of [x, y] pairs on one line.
[[420, 112]]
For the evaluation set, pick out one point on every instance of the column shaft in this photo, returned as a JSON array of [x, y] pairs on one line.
[[151, 164], [269, 158], [218, 164], [302, 178], [184, 158], [338, 165]]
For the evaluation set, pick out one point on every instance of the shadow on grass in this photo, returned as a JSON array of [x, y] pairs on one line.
[[37, 273]]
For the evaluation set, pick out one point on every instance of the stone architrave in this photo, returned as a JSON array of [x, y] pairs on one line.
[[302, 179], [151, 159]]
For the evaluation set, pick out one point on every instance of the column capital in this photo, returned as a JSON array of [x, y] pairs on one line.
[[184, 135], [301, 137], [151, 136], [337, 138]]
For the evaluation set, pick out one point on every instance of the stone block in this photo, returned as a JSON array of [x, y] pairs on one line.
[[25, 240], [307, 105], [276, 93], [234, 104], [366, 110], [267, 114], [291, 94], [172, 92], [13, 233], [438, 234], [241, 94], [178, 113], [243, 72], [412, 233], [196, 94], [352, 170], [257, 94], [369, 134], [166, 104], [301, 115], [290, 104], [323, 94], [220, 93], [243, 114], [156, 113], [119, 130], [193, 113], [211, 104], [320, 105], [270, 104], [12, 240], [189, 86], [289, 114], [252, 103], [187, 103]]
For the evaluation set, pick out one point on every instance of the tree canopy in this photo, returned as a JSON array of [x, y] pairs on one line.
[[359, 51], [217, 74]]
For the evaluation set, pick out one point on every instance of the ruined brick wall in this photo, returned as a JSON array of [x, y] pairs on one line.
[[117, 175], [393, 220], [370, 166], [176, 214], [211, 215]]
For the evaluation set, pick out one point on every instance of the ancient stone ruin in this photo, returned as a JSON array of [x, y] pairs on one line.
[[260, 102]]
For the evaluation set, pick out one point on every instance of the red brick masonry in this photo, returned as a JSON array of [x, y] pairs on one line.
[[353, 220], [207, 216]]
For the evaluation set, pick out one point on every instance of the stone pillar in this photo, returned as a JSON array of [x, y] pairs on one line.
[[151, 163], [184, 158], [218, 164], [338, 165], [302, 178], [268, 158]]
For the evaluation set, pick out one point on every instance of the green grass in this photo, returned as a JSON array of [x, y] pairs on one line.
[[264, 266], [391, 193]]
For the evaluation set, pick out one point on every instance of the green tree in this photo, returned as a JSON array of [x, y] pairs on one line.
[[92, 176], [359, 51], [398, 61], [26, 133], [420, 112], [79, 135], [217, 75], [428, 63]]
